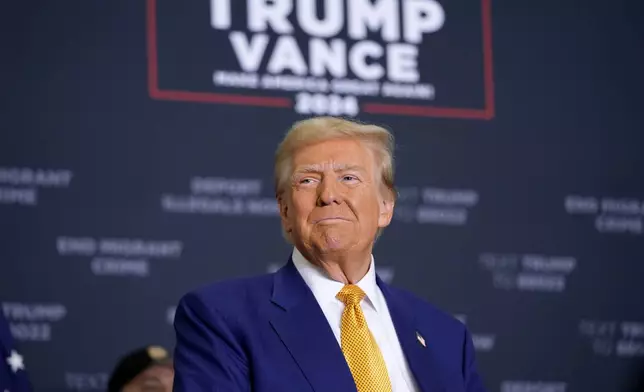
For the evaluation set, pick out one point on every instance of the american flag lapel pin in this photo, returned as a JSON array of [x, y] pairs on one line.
[[421, 340]]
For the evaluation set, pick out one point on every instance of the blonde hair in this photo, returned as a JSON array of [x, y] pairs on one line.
[[317, 129]]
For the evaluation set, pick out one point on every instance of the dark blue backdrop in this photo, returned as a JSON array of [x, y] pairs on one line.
[[128, 175]]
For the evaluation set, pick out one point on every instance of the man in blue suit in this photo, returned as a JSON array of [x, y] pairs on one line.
[[325, 321]]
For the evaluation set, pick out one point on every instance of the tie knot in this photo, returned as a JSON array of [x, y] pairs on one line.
[[351, 294]]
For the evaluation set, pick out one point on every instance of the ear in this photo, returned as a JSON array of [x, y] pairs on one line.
[[386, 212], [284, 212]]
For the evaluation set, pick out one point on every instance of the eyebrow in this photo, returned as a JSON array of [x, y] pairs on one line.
[[316, 168]]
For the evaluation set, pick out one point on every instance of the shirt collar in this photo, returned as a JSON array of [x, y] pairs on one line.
[[325, 289]]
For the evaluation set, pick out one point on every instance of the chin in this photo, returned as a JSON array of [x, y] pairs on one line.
[[329, 245], [335, 244]]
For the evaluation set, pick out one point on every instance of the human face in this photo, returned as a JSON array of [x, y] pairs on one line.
[[155, 379], [335, 202]]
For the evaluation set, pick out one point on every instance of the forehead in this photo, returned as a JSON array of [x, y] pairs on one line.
[[334, 153], [155, 373]]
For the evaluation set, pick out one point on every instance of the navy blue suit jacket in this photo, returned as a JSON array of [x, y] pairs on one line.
[[268, 334]]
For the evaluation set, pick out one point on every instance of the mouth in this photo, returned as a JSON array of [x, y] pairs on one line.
[[332, 219]]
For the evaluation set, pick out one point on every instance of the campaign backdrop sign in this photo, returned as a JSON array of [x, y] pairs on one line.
[[336, 57]]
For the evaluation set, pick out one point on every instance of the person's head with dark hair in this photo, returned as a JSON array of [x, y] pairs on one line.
[[148, 369]]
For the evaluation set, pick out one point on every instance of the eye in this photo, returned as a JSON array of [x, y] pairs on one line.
[[349, 177]]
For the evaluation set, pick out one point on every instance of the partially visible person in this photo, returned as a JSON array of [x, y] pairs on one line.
[[148, 369], [13, 376]]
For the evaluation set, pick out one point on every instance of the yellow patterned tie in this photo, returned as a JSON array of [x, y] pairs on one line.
[[358, 345]]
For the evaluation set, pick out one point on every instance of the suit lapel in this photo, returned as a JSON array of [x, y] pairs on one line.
[[422, 360], [302, 327]]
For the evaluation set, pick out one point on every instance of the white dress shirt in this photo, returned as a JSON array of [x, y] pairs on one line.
[[376, 313]]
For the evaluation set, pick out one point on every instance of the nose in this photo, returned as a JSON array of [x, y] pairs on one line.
[[328, 192]]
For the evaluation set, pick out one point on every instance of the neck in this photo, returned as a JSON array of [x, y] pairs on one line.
[[344, 267]]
